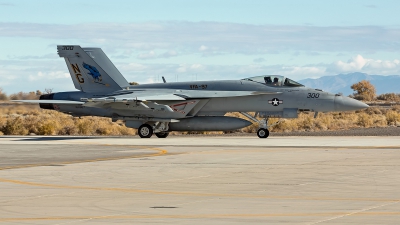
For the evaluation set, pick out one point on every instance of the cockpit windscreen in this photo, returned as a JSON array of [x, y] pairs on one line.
[[275, 80]]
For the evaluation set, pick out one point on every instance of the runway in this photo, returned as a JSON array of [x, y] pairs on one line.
[[199, 180]]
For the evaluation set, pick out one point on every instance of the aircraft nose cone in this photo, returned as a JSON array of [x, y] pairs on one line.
[[343, 103]]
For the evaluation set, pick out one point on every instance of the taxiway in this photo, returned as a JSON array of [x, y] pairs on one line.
[[199, 180]]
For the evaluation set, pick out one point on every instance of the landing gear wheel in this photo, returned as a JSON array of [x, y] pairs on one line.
[[145, 131], [162, 134], [263, 133]]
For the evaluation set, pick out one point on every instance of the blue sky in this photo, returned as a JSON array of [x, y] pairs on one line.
[[198, 39]]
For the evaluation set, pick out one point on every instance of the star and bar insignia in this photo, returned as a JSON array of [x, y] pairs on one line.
[[275, 102]]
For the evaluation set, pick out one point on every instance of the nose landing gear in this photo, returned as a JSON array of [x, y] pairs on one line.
[[263, 131]]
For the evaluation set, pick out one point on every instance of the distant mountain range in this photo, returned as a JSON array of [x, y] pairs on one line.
[[341, 83]]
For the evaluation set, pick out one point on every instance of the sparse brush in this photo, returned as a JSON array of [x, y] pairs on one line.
[[22, 120], [14, 126], [364, 120], [30, 119], [392, 117]]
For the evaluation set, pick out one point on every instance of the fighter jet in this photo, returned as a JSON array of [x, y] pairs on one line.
[[159, 108]]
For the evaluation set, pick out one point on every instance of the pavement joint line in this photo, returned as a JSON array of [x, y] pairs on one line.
[[197, 216], [354, 213], [159, 153], [227, 195]]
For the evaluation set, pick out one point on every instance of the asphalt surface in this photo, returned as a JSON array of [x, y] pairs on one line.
[[199, 180]]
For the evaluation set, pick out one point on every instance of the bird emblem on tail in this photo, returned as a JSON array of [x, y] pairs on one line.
[[93, 72]]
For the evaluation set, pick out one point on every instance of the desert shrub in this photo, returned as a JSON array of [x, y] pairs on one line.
[[14, 126], [84, 126], [123, 130], [49, 127], [67, 126], [392, 117], [389, 97], [305, 122], [286, 125], [3, 96], [396, 108], [3, 121], [24, 96], [379, 121], [104, 126], [364, 120], [373, 110], [324, 121], [364, 90]]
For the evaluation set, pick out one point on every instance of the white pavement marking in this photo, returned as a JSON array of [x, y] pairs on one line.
[[353, 213]]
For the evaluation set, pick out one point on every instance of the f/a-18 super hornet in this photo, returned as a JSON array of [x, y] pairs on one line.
[[183, 106]]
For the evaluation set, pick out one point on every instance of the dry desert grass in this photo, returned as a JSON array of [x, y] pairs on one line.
[[23, 120], [30, 119]]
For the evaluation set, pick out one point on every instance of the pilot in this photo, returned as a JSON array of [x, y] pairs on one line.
[[267, 80], [276, 82]]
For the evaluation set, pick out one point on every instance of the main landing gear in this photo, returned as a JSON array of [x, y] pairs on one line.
[[145, 131], [262, 131], [160, 129], [162, 134]]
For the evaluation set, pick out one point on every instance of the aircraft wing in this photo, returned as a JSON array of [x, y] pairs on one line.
[[191, 94], [179, 101], [178, 95]]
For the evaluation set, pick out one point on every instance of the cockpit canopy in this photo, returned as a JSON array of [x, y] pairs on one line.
[[274, 80]]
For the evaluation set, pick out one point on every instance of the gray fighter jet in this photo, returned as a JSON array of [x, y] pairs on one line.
[[183, 106]]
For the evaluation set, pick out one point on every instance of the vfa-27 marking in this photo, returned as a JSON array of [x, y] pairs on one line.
[[201, 86]]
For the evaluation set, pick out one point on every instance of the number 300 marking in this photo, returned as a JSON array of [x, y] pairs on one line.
[[313, 95], [67, 47]]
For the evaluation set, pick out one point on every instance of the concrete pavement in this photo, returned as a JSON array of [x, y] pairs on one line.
[[199, 180]]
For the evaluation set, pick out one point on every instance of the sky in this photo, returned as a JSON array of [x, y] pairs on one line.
[[198, 40]]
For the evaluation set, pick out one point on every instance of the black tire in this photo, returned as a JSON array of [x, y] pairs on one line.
[[145, 131], [162, 134], [263, 133]]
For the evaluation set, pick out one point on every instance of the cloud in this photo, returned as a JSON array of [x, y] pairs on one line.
[[361, 64], [148, 55], [153, 55], [214, 38], [49, 75], [168, 54], [203, 48], [27, 57], [259, 60], [6, 4], [190, 68]]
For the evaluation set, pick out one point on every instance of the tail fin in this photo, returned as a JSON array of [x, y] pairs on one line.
[[91, 70]]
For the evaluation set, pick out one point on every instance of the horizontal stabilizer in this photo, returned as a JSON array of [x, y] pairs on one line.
[[51, 102], [131, 98]]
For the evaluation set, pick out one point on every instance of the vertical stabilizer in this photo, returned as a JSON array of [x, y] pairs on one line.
[[91, 70]]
